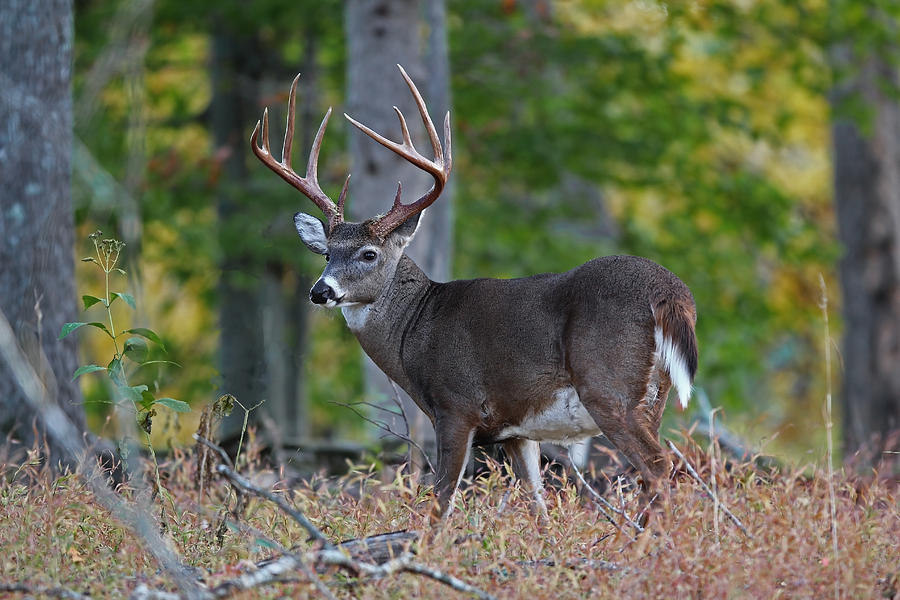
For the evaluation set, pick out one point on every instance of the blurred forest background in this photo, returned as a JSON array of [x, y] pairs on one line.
[[707, 136]]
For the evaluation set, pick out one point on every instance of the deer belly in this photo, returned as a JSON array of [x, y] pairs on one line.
[[564, 422]]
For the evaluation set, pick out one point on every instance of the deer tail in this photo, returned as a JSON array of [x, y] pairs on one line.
[[676, 342]]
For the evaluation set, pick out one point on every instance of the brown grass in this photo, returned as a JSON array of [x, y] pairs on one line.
[[54, 534]]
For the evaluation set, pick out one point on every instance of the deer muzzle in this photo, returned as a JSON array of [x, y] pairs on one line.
[[321, 293]]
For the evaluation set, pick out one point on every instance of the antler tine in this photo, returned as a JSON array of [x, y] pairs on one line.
[[289, 126], [265, 130], [308, 185], [426, 118], [343, 196], [439, 168]]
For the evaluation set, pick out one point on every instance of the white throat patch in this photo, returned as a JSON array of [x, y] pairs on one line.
[[356, 315]]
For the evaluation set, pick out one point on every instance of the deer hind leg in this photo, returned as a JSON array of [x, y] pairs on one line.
[[454, 444], [633, 430], [525, 457]]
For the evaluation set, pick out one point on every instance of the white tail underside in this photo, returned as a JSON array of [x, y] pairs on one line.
[[674, 363]]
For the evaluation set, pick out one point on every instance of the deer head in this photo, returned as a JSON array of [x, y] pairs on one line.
[[361, 257]]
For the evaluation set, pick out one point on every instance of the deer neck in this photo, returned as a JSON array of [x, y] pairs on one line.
[[380, 326]]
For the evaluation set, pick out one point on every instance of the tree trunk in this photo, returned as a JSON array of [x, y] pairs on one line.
[[380, 35], [37, 288], [263, 305], [242, 354], [867, 198]]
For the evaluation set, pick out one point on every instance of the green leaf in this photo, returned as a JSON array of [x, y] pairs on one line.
[[147, 400], [136, 349], [176, 405], [122, 271], [135, 393], [70, 327], [89, 301], [128, 298], [90, 259], [114, 369], [86, 369], [149, 334]]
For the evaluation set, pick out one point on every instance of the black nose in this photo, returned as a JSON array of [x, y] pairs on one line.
[[321, 292]]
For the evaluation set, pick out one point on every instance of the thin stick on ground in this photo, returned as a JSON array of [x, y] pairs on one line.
[[242, 483], [823, 304], [604, 502], [698, 479], [713, 467]]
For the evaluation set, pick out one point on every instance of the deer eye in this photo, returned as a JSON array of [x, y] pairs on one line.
[[369, 255]]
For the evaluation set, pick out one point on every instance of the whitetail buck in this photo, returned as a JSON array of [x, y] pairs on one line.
[[548, 358]]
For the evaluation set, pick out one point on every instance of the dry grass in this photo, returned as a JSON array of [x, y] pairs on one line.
[[54, 534]]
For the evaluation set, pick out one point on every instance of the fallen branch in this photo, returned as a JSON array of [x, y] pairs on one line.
[[56, 592], [330, 554], [244, 484], [698, 479], [380, 548], [573, 563]]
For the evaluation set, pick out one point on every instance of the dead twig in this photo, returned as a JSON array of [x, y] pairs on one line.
[[398, 402], [385, 427], [698, 479], [244, 484], [603, 502], [273, 571]]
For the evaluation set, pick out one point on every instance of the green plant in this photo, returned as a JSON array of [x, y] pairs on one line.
[[129, 356]]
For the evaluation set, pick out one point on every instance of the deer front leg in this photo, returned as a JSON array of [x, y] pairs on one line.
[[454, 443]]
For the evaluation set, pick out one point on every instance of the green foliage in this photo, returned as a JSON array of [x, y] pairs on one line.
[[138, 398], [693, 134]]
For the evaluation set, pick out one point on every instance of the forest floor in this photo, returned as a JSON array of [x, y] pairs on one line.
[[58, 540]]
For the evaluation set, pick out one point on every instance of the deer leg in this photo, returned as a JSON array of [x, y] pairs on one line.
[[454, 443], [632, 433], [525, 457]]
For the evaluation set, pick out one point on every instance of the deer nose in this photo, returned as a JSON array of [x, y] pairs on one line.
[[321, 292]]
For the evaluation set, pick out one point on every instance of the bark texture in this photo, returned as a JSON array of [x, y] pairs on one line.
[[867, 198], [37, 290]]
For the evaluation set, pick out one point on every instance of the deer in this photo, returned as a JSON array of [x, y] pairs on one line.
[[555, 357]]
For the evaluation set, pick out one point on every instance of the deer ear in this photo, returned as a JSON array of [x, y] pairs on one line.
[[312, 232], [405, 232]]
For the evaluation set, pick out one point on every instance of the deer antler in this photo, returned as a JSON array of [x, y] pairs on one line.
[[439, 168], [309, 185]]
